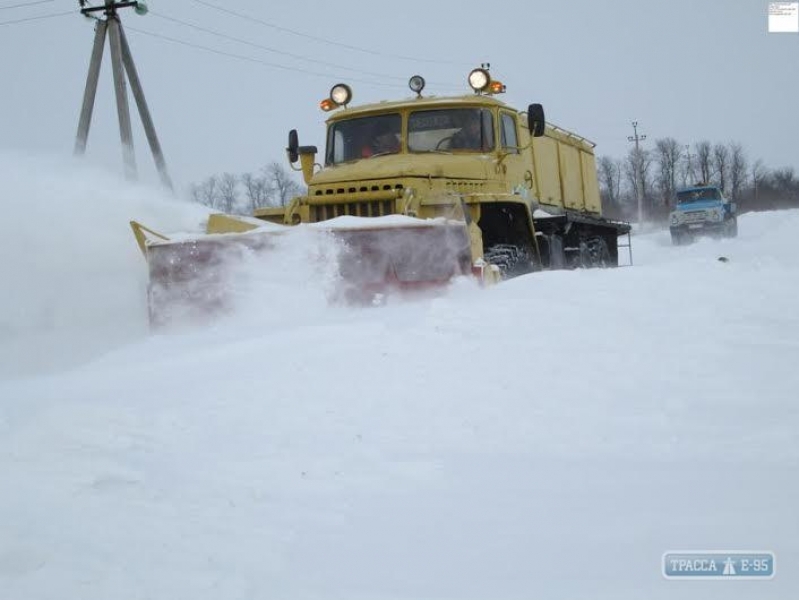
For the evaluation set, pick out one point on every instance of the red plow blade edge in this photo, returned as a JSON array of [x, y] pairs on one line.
[[197, 278]]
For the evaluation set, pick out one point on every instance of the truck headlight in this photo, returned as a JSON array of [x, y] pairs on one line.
[[675, 219]]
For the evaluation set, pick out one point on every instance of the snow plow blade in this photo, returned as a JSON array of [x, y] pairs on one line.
[[195, 278]]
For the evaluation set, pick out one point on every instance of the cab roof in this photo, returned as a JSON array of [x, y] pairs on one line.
[[423, 102], [699, 186]]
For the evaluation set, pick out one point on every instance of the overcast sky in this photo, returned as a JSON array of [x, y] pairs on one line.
[[691, 69]]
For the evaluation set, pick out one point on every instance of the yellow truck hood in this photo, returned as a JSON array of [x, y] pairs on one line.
[[409, 165]]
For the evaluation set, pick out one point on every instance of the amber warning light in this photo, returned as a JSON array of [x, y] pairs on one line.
[[497, 87]]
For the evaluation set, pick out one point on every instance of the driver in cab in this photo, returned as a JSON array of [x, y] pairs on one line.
[[470, 136], [384, 141]]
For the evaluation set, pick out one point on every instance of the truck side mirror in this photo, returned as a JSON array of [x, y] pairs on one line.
[[307, 160], [293, 149], [535, 120]]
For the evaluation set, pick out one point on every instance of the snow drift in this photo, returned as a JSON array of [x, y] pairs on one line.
[[75, 282]]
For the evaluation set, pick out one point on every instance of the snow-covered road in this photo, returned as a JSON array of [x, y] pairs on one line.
[[550, 437]]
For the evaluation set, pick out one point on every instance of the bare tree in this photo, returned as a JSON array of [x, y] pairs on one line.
[[784, 180], [207, 192], [703, 160], [636, 170], [228, 192], [283, 185], [758, 173], [668, 154], [779, 189], [610, 179], [721, 165], [738, 169], [256, 190]]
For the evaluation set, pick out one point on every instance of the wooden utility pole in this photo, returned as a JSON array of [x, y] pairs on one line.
[[638, 175], [110, 26]]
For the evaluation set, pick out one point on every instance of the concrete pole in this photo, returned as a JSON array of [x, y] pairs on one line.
[[90, 93], [144, 111], [638, 174], [123, 110]]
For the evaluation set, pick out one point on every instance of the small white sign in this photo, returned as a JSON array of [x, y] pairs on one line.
[[783, 17]]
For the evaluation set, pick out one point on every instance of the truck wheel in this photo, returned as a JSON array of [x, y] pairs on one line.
[[594, 252], [557, 257], [680, 238], [512, 260]]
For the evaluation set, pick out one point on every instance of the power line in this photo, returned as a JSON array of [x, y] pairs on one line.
[[253, 60], [40, 17], [321, 39], [24, 4], [281, 52]]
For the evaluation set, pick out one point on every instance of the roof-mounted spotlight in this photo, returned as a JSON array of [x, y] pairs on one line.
[[416, 83], [479, 80], [341, 94]]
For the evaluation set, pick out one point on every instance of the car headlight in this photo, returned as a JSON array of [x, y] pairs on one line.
[[675, 219]]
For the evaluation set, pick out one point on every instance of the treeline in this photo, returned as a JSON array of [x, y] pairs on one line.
[[670, 165], [272, 186]]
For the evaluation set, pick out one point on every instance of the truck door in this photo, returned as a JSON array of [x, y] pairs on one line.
[[512, 165]]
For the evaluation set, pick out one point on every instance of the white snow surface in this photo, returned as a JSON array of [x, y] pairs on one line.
[[550, 437]]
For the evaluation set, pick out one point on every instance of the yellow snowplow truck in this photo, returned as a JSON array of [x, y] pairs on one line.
[[422, 190]]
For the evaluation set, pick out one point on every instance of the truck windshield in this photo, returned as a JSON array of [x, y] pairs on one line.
[[363, 137], [689, 196], [455, 129]]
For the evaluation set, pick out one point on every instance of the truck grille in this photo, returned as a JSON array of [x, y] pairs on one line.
[[332, 191], [465, 187], [696, 216], [374, 208], [373, 200]]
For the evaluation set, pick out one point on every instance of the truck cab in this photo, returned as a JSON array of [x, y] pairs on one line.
[[702, 210]]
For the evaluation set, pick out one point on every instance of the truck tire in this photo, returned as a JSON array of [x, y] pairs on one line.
[[594, 253], [512, 260], [680, 238], [557, 256]]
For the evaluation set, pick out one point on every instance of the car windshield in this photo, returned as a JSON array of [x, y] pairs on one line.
[[363, 137], [689, 196], [447, 130]]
